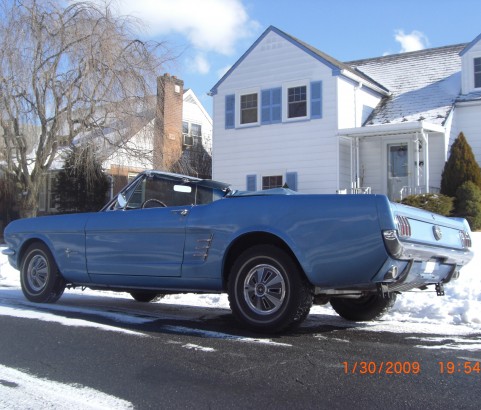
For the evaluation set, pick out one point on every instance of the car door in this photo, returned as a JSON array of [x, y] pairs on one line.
[[143, 242], [143, 238]]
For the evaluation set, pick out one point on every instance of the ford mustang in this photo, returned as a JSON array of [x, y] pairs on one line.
[[274, 252]]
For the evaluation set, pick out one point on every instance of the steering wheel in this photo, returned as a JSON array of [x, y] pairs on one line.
[[153, 201]]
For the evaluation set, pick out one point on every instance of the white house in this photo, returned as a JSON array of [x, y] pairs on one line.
[[174, 123], [288, 113]]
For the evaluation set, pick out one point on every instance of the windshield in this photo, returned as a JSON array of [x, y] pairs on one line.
[[158, 190]]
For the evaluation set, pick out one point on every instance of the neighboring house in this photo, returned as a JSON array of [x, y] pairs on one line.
[[175, 123], [287, 113]]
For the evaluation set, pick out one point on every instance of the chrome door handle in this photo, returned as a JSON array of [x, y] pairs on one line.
[[182, 212]]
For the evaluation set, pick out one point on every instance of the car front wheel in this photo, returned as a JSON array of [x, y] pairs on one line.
[[267, 291], [365, 308], [40, 278]]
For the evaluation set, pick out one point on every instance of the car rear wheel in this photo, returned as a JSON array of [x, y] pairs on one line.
[[40, 278], [267, 290], [146, 296], [365, 308]]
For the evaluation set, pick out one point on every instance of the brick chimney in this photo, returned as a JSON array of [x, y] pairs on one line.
[[167, 143]]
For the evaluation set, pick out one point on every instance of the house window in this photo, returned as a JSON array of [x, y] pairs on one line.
[[196, 132], [131, 176], [297, 102], [248, 108], [477, 72], [191, 133], [274, 181]]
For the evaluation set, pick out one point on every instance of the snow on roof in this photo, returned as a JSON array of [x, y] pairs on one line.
[[424, 84], [474, 96]]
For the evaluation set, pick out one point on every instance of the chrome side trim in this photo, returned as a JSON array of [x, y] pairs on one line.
[[203, 245], [421, 252]]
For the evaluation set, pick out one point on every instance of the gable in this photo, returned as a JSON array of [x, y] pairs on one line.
[[471, 62], [273, 39]]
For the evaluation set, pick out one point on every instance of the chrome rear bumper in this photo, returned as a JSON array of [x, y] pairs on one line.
[[422, 252]]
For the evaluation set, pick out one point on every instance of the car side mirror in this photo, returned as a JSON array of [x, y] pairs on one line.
[[121, 200]]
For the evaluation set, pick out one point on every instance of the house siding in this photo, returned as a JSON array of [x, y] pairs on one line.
[[307, 146], [371, 171], [468, 121], [437, 155], [345, 163]]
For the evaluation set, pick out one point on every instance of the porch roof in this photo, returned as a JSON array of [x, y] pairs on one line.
[[391, 129]]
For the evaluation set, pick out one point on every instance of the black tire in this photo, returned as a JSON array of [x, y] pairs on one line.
[[366, 308], [267, 290], [39, 275], [146, 297]]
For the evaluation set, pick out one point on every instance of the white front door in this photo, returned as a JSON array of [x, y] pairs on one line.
[[397, 169]]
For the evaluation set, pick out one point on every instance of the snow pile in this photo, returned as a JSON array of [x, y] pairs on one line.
[[19, 390], [461, 305]]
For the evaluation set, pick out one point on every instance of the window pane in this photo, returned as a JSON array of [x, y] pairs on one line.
[[196, 130], [270, 182], [185, 127], [398, 160], [477, 72], [248, 108], [297, 102]]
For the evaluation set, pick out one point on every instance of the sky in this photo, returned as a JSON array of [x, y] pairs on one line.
[[209, 36]]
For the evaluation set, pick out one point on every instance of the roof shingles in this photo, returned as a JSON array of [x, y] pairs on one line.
[[424, 84]]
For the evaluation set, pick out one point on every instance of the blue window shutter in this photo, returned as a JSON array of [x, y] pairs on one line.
[[230, 111], [251, 182], [266, 107], [271, 102], [316, 99], [276, 110], [291, 180]]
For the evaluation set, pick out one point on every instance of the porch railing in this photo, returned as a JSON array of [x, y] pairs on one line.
[[416, 190], [361, 190]]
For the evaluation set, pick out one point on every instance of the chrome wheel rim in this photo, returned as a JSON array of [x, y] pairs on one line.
[[264, 289], [37, 273]]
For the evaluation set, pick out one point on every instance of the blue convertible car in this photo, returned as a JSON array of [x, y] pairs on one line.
[[274, 252]]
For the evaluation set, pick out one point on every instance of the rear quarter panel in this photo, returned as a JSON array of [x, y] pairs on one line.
[[336, 238]]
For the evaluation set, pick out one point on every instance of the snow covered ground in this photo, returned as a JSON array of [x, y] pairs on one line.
[[422, 313], [459, 311]]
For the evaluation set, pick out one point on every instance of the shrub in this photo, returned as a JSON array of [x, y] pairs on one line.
[[460, 167], [468, 204], [438, 203], [81, 185]]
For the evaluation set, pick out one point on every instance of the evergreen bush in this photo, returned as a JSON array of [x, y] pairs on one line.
[[468, 204], [460, 167], [438, 203]]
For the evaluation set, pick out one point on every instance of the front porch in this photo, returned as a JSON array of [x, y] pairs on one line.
[[396, 160]]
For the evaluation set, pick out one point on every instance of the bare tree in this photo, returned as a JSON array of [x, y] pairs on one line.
[[66, 73], [194, 161]]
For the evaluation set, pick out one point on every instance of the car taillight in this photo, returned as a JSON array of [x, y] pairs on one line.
[[465, 239], [403, 226]]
